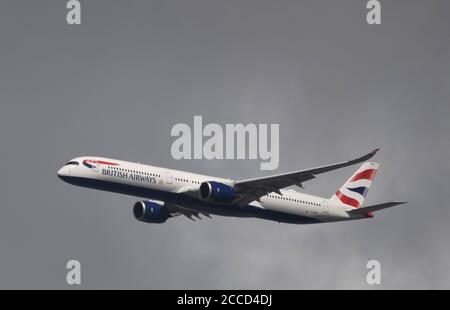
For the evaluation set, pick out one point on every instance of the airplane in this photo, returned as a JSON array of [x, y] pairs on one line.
[[168, 193]]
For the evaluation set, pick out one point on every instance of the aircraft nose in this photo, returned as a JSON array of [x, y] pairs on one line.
[[63, 172]]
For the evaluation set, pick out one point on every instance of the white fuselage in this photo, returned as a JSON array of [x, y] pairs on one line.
[[164, 184]]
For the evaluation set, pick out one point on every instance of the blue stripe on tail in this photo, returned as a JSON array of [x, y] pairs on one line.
[[362, 190]]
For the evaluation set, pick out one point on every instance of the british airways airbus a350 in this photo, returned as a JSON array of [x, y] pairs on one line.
[[169, 193]]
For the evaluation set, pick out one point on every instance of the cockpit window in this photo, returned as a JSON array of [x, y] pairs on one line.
[[75, 163]]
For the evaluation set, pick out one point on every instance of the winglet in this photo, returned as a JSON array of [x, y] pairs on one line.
[[372, 153], [366, 157]]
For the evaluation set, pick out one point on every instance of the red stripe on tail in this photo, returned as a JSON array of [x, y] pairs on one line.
[[368, 174], [347, 200]]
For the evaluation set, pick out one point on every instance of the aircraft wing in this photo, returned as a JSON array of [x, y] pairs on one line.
[[252, 189]]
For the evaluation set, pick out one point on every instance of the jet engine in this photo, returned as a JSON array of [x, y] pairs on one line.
[[150, 212], [217, 192]]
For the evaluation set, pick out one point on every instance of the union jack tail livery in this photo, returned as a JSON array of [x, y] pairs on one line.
[[353, 192]]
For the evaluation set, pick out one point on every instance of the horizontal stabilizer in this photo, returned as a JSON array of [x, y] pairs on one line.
[[374, 208]]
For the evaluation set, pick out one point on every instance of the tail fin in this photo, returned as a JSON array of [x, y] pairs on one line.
[[353, 192]]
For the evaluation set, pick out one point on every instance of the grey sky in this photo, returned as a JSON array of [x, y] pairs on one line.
[[116, 84]]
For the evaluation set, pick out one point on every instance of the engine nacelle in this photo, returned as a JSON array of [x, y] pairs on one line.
[[217, 192], [150, 212]]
